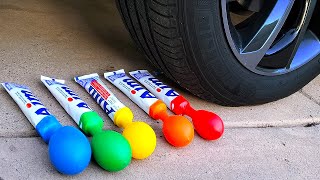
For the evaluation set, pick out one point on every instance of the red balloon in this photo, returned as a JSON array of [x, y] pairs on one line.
[[207, 124]]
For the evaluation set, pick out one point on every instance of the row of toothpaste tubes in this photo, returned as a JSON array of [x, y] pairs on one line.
[[69, 149]]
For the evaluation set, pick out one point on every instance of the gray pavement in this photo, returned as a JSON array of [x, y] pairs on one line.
[[69, 38], [271, 153]]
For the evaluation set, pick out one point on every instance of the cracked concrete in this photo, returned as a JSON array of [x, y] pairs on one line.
[[312, 91], [68, 38]]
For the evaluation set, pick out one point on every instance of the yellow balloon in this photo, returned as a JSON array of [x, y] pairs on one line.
[[142, 139]]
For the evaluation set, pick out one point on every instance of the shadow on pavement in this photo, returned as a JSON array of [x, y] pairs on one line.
[[103, 19]]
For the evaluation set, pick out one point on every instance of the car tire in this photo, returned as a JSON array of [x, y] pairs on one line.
[[187, 41]]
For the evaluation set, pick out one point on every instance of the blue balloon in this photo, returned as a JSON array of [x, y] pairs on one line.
[[69, 150]]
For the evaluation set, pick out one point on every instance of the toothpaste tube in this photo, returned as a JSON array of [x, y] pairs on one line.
[[175, 102], [160, 90], [208, 125], [139, 95], [37, 114], [118, 113], [87, 119], [177, 130], [61, 140]]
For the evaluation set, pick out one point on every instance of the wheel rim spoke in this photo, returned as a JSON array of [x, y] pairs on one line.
[[309, 48], [302, 37], [260, 42], [276, 38]]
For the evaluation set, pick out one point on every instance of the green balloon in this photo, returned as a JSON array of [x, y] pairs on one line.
[[111, 150]]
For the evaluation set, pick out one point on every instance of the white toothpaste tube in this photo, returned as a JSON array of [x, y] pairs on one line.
[[118, 113], [160, 90], [139, 95], [70, 101], [37, 114]]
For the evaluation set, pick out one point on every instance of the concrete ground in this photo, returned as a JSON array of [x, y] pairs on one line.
[[76, 37]]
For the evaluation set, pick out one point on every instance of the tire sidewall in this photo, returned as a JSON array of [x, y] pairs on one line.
[[212, 59]]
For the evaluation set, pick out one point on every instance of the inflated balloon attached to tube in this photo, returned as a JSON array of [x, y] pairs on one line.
[[208, 125], [110, 149], [69, 149], [177, 130], [140, 135]]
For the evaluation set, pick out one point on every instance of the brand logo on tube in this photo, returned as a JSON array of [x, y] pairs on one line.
[[75, 97], [70, 92], [10, 86], [116, 76], [35, 102], [100, 100], [51, 82], [170, 93], [140, 75], [137, 87]]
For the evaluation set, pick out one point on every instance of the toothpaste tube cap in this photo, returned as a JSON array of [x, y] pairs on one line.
[[91, 122], [123, 117], [47, 127], [158, 110]]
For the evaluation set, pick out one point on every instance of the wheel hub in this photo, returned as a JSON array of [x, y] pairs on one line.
[[275, 38]]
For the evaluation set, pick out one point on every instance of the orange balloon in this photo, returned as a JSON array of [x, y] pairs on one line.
[[177, 130]]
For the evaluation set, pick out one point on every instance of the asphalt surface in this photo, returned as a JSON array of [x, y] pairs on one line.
[[71, 38]]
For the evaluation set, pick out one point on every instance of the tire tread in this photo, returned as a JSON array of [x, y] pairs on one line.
[[153, 25]]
